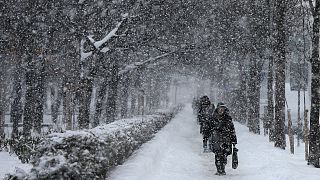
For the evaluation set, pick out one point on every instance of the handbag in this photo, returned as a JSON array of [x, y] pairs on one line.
[[234, 157]]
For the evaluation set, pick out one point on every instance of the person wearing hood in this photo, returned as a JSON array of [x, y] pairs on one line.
[[203, 118], [223, 136]]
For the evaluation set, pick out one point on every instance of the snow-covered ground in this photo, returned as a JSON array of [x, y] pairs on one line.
[[176, 154], [10, 163]]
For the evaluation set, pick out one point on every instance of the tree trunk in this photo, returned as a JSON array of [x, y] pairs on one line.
[[270, 116], [111, 108], [30, 97], [141, 105], [314, 140], [270, 92], [133, 103], [68, 103], [99, 102], [2, 106], [124, 97], [280, 65], [156, 94], [86, 87], [16, 106], [253, 97], [40, 93], [55, 106], [242, 96]]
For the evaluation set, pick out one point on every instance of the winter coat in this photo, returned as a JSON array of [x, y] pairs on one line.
[[204, 110], [223, 133]]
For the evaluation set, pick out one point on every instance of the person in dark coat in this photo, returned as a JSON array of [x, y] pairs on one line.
[[223, 136], [203, 119]]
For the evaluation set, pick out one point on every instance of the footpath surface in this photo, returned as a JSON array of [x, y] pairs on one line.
[[175, 153]]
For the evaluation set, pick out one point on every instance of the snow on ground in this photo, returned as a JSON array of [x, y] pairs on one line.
[[9, 163], [176, 154]]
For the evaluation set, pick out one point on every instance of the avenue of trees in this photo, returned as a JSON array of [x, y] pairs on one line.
[[98, 61]]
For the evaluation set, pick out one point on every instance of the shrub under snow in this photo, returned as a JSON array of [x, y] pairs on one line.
[[90, 154]]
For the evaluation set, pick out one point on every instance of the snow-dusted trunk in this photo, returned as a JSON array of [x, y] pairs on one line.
[[156, 94], [141, 105], [40, 100], [270, 92], [270, 115], [99, 102], [149, 94], [165, 97], [111, 107], [55, 105], [16, 105], [133, 103], [242, 99], [254, 97], [68, 98], [33, 109], [86, 87], [2, 107], [280, 65], [29, 98], [314, 141], [124, 96]]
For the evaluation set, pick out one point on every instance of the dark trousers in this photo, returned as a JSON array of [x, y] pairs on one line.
[[220, 161], [205, 137]]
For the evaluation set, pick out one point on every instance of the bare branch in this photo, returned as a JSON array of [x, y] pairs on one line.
[[137, 65]]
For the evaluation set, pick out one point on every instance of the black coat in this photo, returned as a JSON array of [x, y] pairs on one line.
[[204, 111], [223, 133]]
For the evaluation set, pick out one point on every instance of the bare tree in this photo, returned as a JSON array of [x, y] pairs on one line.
[[280, 63], [314, 142]]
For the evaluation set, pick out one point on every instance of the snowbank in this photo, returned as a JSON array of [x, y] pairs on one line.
[[91, 154]]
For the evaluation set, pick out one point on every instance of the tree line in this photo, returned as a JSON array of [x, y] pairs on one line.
[[125, 52]]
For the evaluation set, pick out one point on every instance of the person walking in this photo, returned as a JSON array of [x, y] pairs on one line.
[[223, 137], [203, 119]]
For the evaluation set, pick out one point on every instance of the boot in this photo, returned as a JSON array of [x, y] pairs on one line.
[[220, 170], [223, 172]]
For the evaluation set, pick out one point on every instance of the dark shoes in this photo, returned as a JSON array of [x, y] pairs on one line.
[[221, 170], [220, 173]]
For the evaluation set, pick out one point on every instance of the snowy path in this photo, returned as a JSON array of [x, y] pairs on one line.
[[9, 163], [176, 154]]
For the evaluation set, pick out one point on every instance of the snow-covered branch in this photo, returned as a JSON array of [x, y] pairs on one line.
[[112, 33]]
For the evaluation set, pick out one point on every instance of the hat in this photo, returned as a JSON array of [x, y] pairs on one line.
[[221, 104]]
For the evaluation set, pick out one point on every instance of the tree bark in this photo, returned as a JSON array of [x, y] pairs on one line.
[[314, 140], [270, 92], [86, 87], [2, 106], [30, 97], [99, 102], [55, 106], [124, 97], [270, 116], [40, 93], [133, 102], [280, 65], [111, 108], [16, 106], [68, 103], [254, 97]]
